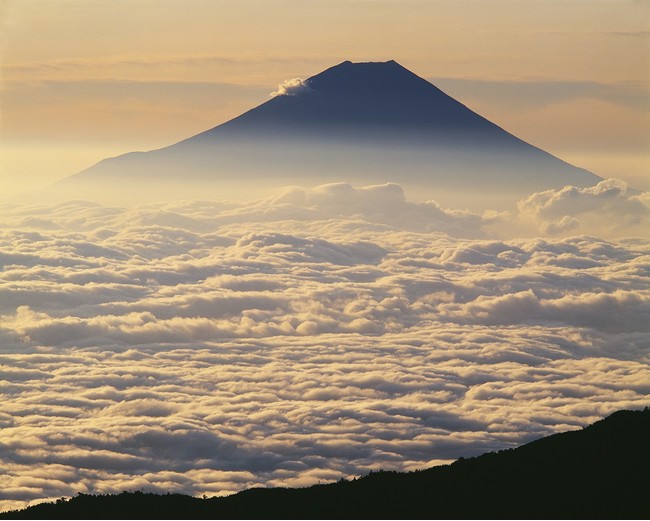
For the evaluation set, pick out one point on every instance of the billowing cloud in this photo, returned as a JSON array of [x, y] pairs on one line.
[[291, 87], [608, 208], [205, 347]]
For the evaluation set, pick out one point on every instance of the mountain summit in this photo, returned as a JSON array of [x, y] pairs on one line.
[[361, 101], [364, 123]]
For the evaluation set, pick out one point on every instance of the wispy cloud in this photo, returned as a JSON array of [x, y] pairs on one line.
[[630, 34], [137, 66], [534, 94]]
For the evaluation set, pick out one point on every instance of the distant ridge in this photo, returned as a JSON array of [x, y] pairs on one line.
[[599, 472], [364, 123]]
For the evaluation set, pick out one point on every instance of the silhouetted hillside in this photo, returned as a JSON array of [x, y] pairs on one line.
[[601, 471]]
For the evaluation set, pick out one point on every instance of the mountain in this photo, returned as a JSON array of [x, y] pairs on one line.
[[599, 472], [364, 123]]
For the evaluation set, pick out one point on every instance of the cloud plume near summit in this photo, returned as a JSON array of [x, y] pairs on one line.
[[291, 87], [205, 347]]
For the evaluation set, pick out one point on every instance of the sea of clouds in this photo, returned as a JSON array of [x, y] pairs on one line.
[[206, 347]]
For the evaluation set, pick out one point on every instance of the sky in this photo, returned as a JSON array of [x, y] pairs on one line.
[[319, 332], [85, 80]]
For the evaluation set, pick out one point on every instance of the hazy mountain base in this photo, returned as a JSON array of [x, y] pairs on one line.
[[599, 472], [245, 170]]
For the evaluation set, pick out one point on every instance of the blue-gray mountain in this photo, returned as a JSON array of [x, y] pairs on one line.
[[365, 123]]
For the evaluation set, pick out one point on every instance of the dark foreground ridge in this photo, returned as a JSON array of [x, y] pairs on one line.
[[599, 472]]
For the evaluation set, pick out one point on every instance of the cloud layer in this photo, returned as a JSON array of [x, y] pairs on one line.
[[609, 208], [206, 347]]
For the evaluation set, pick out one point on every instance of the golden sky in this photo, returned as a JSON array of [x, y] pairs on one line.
[[87, 79], [323, 332]]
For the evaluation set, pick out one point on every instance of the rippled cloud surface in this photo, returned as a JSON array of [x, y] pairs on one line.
[[207, 347]]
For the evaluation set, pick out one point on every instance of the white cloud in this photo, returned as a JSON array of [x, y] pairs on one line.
[[609, 208], [291, 87], [208, 347]]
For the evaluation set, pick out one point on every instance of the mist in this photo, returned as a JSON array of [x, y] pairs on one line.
[[453, 176]]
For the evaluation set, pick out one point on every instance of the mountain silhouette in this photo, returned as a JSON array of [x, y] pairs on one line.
[[599, 472], [364, 123]]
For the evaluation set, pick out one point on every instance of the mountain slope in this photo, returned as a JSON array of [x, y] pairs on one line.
[[599, 472], [357, 122]]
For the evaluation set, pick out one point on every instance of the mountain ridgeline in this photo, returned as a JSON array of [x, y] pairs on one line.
[[363, 123], [599, 472]]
